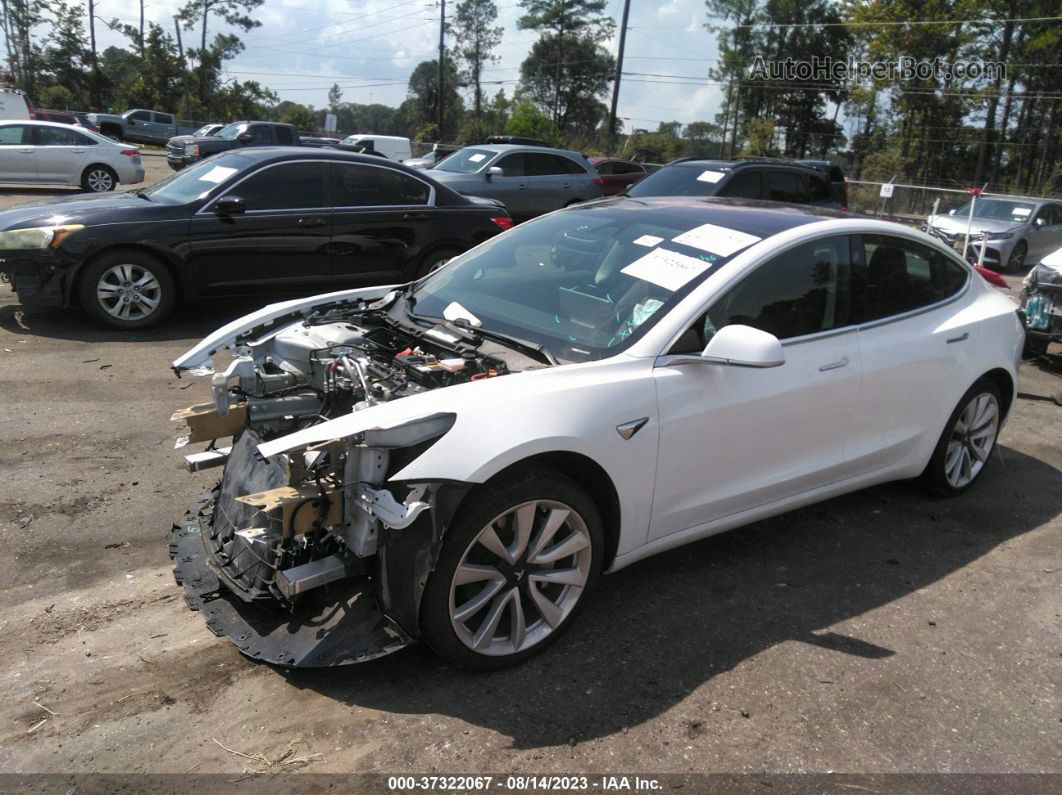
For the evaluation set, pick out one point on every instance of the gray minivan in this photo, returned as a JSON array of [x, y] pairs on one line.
[[529, 180]]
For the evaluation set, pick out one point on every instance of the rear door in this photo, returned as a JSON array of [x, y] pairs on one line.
[[918, 349], [61, 154], [551, 181], [280, 244], [139, 126], [382, 224], [18, 153], [165, 126]]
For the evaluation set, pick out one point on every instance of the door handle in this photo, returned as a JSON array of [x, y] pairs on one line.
[[314, 221], [415, 217], [566, 185], [842, 362], [961, 338], [522, 187], [77, 151], [26, 151]]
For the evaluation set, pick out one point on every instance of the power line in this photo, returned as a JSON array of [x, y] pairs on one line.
[[913, 22]]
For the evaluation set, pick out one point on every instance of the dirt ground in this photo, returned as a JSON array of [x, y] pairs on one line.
[[880, 632]]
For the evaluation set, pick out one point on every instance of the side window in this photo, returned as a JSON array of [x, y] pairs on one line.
[[140, 115], [1051, 215], [57, 136], [785, 186], [260, 134], [902, 275], [512, 165], [801, 291], [745, 185], [370, 186], [537, 164], [16, 135], [82, 140], [607, 168], [289, 186], [163, 118], [629, 168], [818, 190], [284, 136]]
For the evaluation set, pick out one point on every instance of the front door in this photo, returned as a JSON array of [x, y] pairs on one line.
[[279, 244], [18, 154], [1046, 234], [735, 438], [512, 186], [382, 222]]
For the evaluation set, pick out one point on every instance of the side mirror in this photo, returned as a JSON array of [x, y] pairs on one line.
[[130, 122], [494, 171], [1041, 221], [230, 205], [951, 211], [245, 138], [744, 346]]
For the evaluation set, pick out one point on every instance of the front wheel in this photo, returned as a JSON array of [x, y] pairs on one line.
[[435, 260], [967, 442], [127, 290], [516, 566], [99, 179], [1016, 260]]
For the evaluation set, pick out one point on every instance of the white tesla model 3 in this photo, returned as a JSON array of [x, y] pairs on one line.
[[457, 460]]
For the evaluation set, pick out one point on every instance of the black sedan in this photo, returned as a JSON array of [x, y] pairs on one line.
[[277, 221]]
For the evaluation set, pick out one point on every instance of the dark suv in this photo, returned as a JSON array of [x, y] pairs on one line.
[[775, 180]]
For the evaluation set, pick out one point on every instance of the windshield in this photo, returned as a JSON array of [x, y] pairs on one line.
[[700, 179], [583, 284], [466, 161], [197, 180], [204, 130], [230, 131], [999, 210]]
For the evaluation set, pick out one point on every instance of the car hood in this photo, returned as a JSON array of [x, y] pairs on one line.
[[452, 178], [954, 224], [75, 209], [183, 139]]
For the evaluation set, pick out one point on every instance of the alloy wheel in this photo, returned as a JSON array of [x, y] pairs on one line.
[[100, 180], [972, 439], [1017, 259], [520, 577], [128, 292]]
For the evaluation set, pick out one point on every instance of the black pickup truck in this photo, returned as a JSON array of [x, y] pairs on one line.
[[184, 150]]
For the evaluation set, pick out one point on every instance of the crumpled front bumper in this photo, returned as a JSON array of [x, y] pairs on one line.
[[341, 624]]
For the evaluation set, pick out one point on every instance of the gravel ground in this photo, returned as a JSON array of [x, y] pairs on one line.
[[880, 632]]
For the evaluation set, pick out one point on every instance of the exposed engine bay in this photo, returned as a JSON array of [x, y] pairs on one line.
[[309, 557]]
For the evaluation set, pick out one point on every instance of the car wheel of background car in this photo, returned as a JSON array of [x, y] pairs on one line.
[[127, 290], [967, 441], [435, 260], [1017, 257], [98, 179], [516, 565]]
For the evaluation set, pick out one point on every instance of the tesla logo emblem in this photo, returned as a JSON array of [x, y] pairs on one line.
[[628, 429]]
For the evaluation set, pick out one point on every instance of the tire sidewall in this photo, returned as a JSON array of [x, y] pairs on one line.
[[90, 276], [934, 476], [1011, 267], [481, 506], [99, 167], [428, 263]]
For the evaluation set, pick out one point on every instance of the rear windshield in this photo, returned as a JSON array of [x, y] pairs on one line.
[[682, 179]]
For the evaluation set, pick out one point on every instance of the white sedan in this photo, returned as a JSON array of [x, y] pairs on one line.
[[458, 460], [41, 152]]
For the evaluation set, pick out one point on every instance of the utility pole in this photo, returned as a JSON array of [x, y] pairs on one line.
[[94, 94], [442, 56], [184, 66], [619, 73]]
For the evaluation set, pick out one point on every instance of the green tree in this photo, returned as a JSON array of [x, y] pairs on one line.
[[422, 103], [304, 117], [157, 81], [335, 96], [528, 120], [476, 34], [236, 13], [65, 60]]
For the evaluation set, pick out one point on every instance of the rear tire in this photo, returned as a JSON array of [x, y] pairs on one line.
[[498, 595], [967, 442], [127, 290], [434, 260], [98, 179]]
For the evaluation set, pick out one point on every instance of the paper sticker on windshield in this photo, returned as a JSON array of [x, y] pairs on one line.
[[1021, 212], [716, 239], [667, 269], [711, 176], [475, 158], [648, 240], [217, 174]]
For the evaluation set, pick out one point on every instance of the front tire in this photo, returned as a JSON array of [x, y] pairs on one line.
[[434, 260], [967, 442], [127, 290], [516, 566], [1016, 260], [99, 179]]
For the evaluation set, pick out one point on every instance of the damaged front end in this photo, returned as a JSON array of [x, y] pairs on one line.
[[313, 556]]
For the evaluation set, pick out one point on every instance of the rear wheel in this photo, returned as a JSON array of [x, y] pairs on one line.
[[127, 290], [515, 568], [967, 442], [99, 179], [435, 260]]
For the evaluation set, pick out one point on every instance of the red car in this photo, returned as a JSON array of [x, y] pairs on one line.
[[617, 174]]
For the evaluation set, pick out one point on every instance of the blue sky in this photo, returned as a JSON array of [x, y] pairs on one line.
[[369, 47]]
